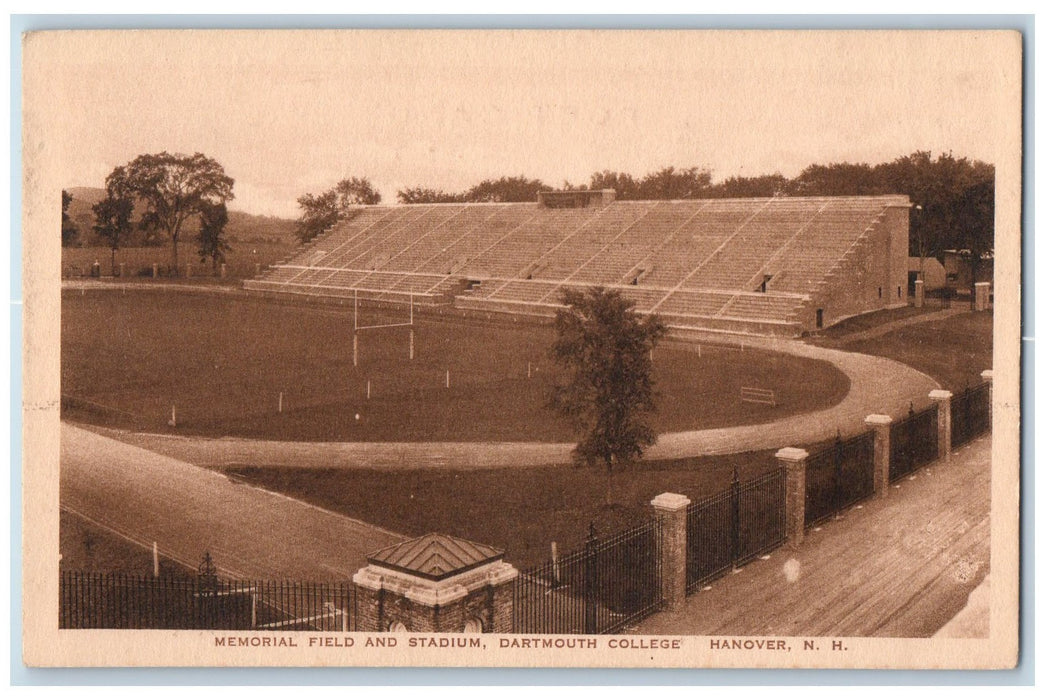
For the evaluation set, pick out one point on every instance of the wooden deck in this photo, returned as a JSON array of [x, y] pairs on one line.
[[902, 566]]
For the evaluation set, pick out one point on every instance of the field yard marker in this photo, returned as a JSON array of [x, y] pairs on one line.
[[447, 379], [555, 562], [173, 422], [698, 352], [155, 560], [368, 389], [281, 402]]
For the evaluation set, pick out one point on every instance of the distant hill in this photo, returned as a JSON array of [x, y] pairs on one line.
[[243, 227]]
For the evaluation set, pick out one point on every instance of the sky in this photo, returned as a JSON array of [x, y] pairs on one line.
[[287, 113]]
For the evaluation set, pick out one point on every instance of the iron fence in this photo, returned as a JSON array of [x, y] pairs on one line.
[[610, 583], [133, 601], [913, 442], [731, 528], [970, 414], [839, 476]]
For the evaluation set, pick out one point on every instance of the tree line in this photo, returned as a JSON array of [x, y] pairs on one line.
[[952, 197], [168, 192]]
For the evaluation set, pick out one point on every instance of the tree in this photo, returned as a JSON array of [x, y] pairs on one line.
[[112, 215], [175, 188], [211, 238], [356, 191], [605, 348], [427, 195], [975, 223], [320, 212], [69, 230], [669, 183], [506, 189]]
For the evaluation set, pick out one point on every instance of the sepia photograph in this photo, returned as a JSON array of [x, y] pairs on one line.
[[556, 348]]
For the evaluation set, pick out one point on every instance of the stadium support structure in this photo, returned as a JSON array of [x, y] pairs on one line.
[[780, 266]]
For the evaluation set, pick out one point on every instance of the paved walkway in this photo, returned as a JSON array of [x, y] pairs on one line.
[[250, 532], [902, 566], [877, 385]]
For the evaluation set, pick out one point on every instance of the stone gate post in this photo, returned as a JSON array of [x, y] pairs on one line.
[[794, 460], [987, 375], [880, 423], [942, 399], [669, 512]]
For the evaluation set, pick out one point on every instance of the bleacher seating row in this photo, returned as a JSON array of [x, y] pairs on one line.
[[691, 261]]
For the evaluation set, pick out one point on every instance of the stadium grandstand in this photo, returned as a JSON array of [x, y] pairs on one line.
[[770, 266]]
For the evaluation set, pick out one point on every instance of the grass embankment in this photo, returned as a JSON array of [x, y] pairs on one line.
[[952, 350], [519, 510], [87, 547]]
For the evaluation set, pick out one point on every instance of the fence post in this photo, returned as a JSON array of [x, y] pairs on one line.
[[590, 573], [987, 376], [983, 293], [880, 423], [942, 399], [669, 514], [793, 459]]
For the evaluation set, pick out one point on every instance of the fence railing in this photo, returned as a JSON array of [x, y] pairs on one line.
[[733, 527], [970, 414], [839, 476], [132, 601], [913, 442], [610, 583]]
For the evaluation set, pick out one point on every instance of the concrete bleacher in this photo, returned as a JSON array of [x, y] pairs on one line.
[[699, 263]]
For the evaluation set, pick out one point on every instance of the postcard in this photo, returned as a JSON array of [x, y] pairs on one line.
[[481, 348]]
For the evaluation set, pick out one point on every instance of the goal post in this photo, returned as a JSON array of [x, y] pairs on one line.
[[356, 328]]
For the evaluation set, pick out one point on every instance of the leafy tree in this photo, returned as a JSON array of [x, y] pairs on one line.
[[837, 180], [175, 188], [624, 184], [320, 212], [605, 347], [975, 223], [112, 215], [356, 191], [427, 195], [760, 186], [669, 183], [69, 230], [506, 189], [211, 237]]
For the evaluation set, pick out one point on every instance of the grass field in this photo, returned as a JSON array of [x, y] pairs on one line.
[[222, 362], [953, 351], [87, 547]]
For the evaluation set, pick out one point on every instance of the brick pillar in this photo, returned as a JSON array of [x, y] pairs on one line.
[[987, 375], [880, 424], [669, 512], [983, 295], [794, 460], [942, 399], [919, 294]]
